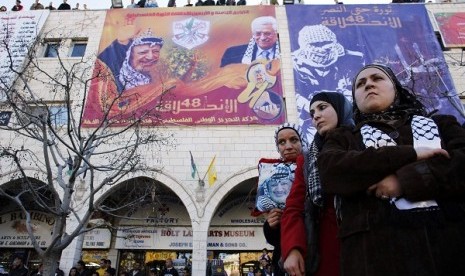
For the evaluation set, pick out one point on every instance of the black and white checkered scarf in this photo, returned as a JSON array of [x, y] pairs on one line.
[[312, 175], [343, 110]]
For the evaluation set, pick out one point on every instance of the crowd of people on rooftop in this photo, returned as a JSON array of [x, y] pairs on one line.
[[39, 6], [154, 4], [134, 4]]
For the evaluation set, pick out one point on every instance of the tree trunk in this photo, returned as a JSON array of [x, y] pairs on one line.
[[50, 262]]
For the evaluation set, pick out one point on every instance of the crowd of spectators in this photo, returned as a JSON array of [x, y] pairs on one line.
[[171, 3], [134, 4], [39, 6]]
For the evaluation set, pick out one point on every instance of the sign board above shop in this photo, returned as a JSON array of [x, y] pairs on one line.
[[99, 238], [171, 212], [236, 238], [13, 232], [236, 212], [180, 238]]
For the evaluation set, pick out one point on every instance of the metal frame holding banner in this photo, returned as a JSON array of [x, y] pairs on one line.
[[330, 43], [192, 66]]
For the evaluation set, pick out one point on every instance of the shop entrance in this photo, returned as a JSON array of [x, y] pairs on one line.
[[154, 260], [236, 263]]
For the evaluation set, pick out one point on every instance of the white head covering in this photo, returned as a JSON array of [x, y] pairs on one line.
[[293, 126], [128, 76], [316, 56]]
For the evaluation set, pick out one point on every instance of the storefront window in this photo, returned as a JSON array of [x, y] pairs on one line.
[[127, 260], [92, 258], [7, 255], [154, 259]]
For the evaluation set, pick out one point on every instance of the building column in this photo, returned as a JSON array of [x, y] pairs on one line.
[[199, 248]]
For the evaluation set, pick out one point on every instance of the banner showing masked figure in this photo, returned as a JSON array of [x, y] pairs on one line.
[[329, 44], [192, 66]]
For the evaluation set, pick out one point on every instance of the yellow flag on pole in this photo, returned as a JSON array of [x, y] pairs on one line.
[[211, 172]]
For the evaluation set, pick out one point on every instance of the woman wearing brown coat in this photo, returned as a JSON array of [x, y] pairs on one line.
[[401, 179]]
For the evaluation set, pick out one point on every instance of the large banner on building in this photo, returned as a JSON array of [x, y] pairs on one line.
[[329, 44], [192, 66], [452, 28], [18, 32]]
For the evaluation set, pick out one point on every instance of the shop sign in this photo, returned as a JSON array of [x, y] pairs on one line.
[[170, 212], [13, 231], [159, 255], [94, 255], [97, 238], [134, 237], [236, 238], [236, 212], [175, 238]]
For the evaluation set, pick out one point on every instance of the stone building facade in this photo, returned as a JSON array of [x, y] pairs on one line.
[[237, 148]]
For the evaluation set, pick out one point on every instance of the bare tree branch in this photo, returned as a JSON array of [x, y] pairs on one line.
[[67, 157]]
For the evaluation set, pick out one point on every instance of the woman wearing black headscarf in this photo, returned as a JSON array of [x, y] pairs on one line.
[[328, 111], [401, 179]]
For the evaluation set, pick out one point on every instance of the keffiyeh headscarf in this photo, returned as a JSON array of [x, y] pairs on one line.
[[285, 173], [259, 21], [405, 109], [270, 173], [405, 104], [128, 76], [294, 127], [314, 55], [343, 109]]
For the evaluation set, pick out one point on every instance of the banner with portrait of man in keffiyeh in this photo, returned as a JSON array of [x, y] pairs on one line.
[[189, 66], [329, 44]]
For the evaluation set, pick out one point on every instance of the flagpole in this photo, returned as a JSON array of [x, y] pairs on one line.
[[198, 175], [209, 167], [201, 181]]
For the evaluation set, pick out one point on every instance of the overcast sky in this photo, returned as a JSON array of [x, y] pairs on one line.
[[105, 4]]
